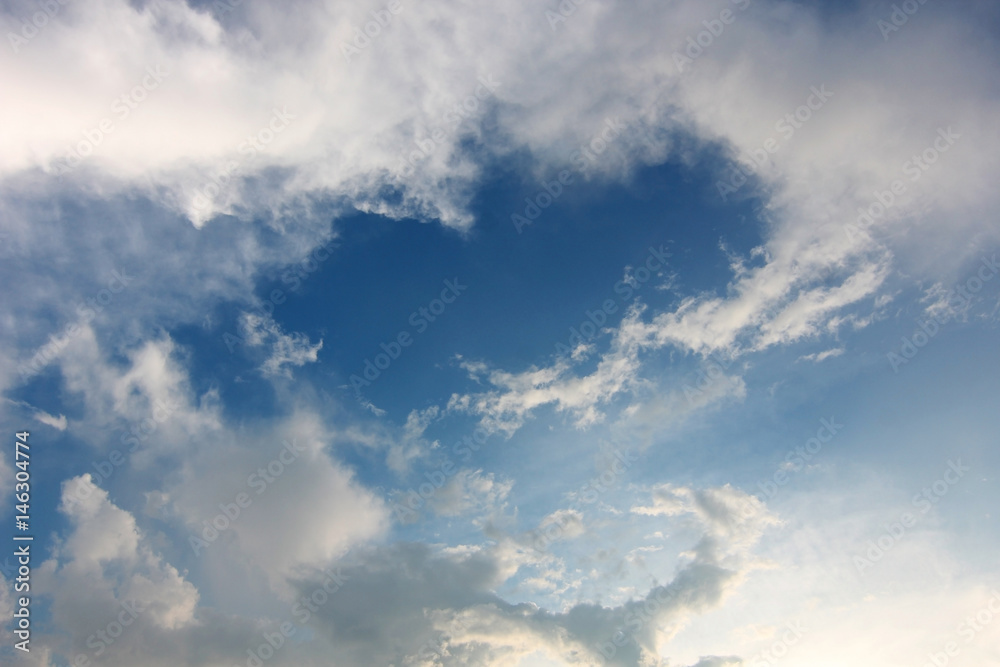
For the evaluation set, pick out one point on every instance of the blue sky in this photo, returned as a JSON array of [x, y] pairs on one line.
[[518, 335]]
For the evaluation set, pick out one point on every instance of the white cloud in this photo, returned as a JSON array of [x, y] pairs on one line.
[[408, 605], [618, 372], [284, 349], [304, 508], [58, 423], [145, 408], [313, 510], [411, 444], [518, 394], [354, 125], [821, 356], [732, 517], [105, 562], [471, 490]]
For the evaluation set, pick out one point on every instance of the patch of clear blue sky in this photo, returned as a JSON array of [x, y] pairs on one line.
[[524, 291]]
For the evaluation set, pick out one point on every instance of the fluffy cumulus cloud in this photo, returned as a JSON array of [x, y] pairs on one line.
[[286, 505], [243, 512], [105, 577], [411, 605], [115, 600], [216, 466]]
